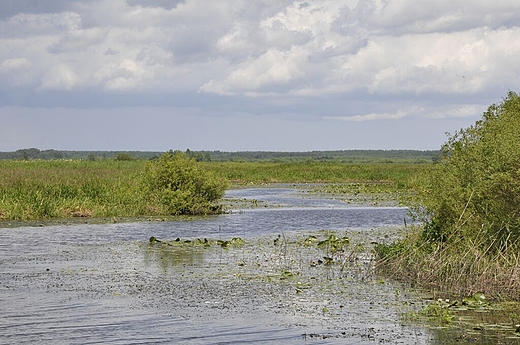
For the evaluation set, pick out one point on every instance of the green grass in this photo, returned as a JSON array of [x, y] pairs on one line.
[[61, 189], [32, 190], [453, 269], [317, 172]]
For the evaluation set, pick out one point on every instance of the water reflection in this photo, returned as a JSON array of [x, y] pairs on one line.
[[172, 257]]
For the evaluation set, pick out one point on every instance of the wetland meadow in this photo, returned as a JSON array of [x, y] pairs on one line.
[[291, 259]]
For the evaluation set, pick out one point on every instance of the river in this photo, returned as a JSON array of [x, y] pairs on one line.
[[106, 284]]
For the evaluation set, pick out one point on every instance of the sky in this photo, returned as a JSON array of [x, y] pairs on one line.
[[251, 75]]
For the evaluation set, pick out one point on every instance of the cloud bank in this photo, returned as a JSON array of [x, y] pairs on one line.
[[356, 60]]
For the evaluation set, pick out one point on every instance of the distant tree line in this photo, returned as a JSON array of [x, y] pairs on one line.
[[34, 153], [347, 156]]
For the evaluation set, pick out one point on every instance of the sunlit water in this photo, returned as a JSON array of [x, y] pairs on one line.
[[39, 306]]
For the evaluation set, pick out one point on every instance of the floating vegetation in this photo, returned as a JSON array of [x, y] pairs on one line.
[[234, 242], [334, 244], [436, 313], [154, 240], [471, 315], [200, 242], [373, 192], [322, 274]]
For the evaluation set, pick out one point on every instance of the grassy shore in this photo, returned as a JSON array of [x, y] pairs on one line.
[[33, 190], [59, 189]]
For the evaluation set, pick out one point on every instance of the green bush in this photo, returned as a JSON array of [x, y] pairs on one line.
[[123, 156], [181, 186], [473, 192]]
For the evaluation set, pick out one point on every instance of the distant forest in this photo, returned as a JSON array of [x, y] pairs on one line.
[[347, 156]]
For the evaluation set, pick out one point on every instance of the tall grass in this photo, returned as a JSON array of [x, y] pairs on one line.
[[108, 188], [60, 189], [313, 171], [454, 269]]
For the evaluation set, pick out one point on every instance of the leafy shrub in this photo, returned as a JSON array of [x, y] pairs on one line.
[[473, 192], [123, 156], [181, 186], [470, 204]]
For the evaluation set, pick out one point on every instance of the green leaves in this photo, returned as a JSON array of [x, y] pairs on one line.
[[334, 244], [182, 186], [474, 190]]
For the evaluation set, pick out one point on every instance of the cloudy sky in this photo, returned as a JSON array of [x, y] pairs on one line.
[[236, 75]]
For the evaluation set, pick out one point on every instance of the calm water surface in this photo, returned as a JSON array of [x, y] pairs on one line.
[[93, 283]]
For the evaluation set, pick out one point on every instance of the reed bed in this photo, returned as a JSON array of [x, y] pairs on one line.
[[453, 270], [62, 189]]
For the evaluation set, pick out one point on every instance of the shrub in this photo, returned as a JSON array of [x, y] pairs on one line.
[[123, 156], [181, 186], [470, 204], [473, 192]]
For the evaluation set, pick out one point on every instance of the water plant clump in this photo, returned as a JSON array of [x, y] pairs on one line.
[[372, 193], [234, 242], [471, 317]]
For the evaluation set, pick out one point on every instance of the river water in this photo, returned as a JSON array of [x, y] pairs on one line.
[[105, 284]]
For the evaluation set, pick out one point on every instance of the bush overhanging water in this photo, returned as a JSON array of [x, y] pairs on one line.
[[470, 204]]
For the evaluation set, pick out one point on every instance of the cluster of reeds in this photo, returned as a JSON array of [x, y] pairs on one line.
[[455, 268]]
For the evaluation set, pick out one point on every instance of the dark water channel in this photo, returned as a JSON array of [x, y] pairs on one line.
[[104, 284]]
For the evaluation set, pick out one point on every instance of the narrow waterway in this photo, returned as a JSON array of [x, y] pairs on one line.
[[106, 284]]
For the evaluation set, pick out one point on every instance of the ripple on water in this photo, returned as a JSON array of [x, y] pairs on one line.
[[97, 283]]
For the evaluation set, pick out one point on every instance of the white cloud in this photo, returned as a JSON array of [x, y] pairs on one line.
[[15, 64], [399, 114], [60, 77], [419, 111], [415, 59], [284, 47], [272, 69], [456, 111]]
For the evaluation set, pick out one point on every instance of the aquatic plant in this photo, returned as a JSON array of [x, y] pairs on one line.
[[234, 242], [451, 270], [199, 242], [435, 313]]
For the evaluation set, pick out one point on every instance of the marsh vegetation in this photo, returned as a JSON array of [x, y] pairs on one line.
[[463, 249], [469, 203], [171, 185]]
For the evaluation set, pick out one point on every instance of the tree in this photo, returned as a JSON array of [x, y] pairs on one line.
[[473, 191], [182, 186]]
